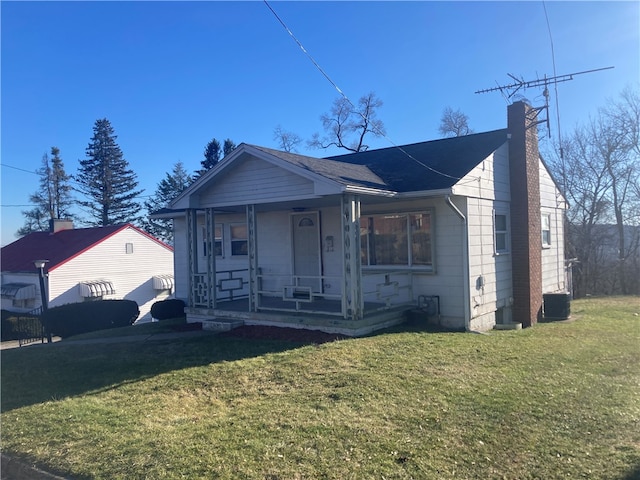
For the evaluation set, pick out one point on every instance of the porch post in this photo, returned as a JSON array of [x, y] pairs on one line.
[[252, 250], [352, 300], [192, 245], [211, 257]]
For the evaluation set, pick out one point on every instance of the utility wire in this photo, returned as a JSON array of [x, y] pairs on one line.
[[555, 84], [339, 90]]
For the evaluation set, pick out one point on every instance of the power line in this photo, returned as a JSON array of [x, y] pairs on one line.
[[339, 90], [555, 85]]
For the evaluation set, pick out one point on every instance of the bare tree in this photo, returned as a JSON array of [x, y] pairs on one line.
[[287, 141], [347, 125], [600, 177], [454, 123]]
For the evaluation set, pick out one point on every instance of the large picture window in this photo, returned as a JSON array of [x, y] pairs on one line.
[[397, 240]]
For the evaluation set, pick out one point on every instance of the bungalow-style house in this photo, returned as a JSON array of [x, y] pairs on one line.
[[86, 264], [472, 224]]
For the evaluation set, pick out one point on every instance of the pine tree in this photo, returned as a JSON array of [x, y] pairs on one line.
[[212, 154], [53, 198], [228, 147], [168, 189], [106, 180]]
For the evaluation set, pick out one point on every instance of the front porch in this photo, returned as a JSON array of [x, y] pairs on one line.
[[289, 301], [236, 313]]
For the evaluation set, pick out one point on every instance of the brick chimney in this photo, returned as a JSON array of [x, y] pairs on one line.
[[58, 224], [526, 240]]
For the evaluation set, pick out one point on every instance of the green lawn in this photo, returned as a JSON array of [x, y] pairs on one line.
[[559, 400]]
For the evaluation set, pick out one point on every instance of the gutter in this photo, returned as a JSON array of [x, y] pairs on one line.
[[465, 263]]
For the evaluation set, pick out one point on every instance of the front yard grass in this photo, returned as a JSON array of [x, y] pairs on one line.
[[559, 400]]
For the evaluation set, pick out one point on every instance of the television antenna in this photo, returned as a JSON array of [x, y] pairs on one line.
[[508, 91]]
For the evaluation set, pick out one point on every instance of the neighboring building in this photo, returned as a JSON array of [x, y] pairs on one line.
[[86, 264], [345, 244]]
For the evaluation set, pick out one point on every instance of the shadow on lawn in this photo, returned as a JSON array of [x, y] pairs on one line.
[[38, 374]]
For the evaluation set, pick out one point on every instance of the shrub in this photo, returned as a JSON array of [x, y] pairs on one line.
[[76, 318], [165, 309]]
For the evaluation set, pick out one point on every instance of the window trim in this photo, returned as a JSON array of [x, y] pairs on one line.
[[431, 268]]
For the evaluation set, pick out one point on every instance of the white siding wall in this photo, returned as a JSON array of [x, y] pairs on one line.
[[181, 259], [131, 274], [256, 181], [552, 204], [490, 279], [489, 179], [447, 279]]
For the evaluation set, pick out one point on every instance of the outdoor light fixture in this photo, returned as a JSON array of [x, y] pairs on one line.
[[40, 264]]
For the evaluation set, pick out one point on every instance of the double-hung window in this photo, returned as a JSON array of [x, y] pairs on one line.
[[239, 245], [546, 230], [500, 233], [399, 239]]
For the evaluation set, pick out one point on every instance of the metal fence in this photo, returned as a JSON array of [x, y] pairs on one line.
[[29, 327]]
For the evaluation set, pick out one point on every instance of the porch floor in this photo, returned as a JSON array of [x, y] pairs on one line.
[[317, 316]]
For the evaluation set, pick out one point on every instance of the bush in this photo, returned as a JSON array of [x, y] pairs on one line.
[[76, 318], [172, 308]]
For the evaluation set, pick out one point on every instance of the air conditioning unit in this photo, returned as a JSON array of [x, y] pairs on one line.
[[556, 306]]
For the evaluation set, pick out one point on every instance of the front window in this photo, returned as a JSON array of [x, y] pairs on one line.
[[239, 245], [397, 240], [218, 240]]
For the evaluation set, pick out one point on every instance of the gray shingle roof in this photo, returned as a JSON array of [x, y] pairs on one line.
[[415, 167]]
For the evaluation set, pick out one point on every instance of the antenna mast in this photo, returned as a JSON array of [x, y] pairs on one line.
[[519, 83]]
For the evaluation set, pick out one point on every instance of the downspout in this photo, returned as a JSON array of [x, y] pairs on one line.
[[465, 263]]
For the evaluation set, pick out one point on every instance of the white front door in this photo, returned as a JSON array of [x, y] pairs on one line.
[[306, 249]]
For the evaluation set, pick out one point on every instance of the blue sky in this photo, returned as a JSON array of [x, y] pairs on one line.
[[170, 76]]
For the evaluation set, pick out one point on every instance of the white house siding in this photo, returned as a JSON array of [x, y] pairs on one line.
[[181, 259], [552, 203], [131, 274], [446, 279], [490, 280], [255, 181], [489, 179]]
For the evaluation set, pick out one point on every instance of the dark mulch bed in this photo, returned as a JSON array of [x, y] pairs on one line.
[[187, 327], [298, 335]]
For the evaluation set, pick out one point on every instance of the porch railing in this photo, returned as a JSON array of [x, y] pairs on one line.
[[230, 285], [300, 293], [305, 293]]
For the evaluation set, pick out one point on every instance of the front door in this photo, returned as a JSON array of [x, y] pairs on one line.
[[306, 249]]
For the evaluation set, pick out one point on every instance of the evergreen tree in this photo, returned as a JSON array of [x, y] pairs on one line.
[[228, 147], [106, 180], [168, 189], [53, 198], [212, 154]]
